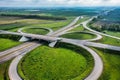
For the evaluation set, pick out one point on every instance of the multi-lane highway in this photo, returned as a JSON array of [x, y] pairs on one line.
[[98, 64]]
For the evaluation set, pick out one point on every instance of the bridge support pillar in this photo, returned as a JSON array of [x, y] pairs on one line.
[[52, 44], [23, 39]]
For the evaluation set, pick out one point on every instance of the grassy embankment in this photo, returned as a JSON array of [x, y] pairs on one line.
[[8, 41], [113, 33], [4, 70], [59, 63], [77, 29], [110, 41], [111, 61]]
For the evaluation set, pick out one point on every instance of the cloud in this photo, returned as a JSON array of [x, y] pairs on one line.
[[60, 2]]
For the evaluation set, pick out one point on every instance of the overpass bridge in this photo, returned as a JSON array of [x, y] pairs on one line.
[[54, 40], [33, 36]]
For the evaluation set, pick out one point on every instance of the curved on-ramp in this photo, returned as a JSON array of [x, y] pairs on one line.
[[13, 66], [98, 64], [20, 30], [98, 37], [86, 27]]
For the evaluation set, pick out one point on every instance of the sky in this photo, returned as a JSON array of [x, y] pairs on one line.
[[54, 3]]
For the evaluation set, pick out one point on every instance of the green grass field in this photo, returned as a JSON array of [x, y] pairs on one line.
[[111, 61], [79, 35], [36, 31], [117, 34], [45, 63], [79, 28], [7, 43], [108, 40]]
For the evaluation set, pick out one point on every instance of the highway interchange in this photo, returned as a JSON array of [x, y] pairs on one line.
[[53, 37]]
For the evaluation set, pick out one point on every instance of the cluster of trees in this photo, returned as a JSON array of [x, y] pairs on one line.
[[93, 21], [110, 27], [34, 16], [104, 26]]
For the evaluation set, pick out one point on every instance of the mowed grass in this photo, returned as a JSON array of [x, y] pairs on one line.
[[79, 35], [117, 34], [48, 64], [7, 43], [79, 28], [4, 70], [36, 31], [45, 63], [110, 41], [111, 61]]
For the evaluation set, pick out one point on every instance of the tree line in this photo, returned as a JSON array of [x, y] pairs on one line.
[[109, 27], [105, 26], [9, 36], [30, 16]]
